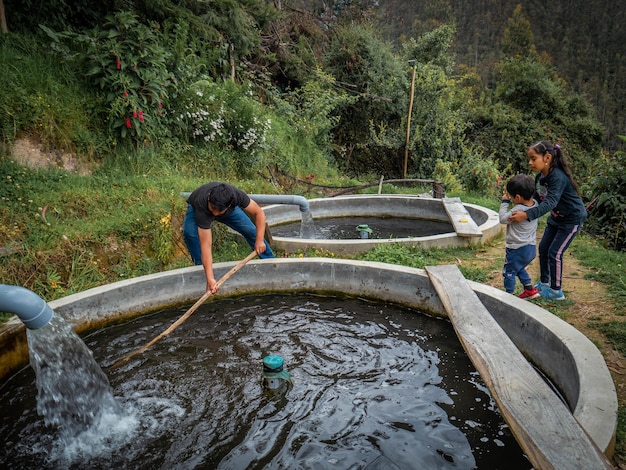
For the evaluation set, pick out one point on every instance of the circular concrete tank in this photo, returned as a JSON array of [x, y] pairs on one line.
[[385, 206], [562, 353]]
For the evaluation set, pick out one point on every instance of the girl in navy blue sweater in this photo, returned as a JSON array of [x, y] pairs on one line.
[[557, 193]]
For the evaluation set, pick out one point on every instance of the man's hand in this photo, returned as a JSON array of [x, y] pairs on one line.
[[211, 286], [206, 249], [259, 247], [258, 216]]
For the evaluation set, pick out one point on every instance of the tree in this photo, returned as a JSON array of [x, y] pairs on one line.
[[365, 66], [517, 40], [438, 122], [607, 217], [529, 101]]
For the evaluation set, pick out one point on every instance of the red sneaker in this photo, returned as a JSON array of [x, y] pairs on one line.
[[529, 294]]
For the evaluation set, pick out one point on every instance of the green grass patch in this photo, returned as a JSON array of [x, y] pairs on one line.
[[417, 257], [42, 96]]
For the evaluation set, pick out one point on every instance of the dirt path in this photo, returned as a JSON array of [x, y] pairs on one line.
[[588, 304]]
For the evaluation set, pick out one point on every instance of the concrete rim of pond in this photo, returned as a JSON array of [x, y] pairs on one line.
[[386, 205], [563, 354]]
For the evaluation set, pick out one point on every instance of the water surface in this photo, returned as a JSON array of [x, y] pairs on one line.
[[345, 228], [374, 385]]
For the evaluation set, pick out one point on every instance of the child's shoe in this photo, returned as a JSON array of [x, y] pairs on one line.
[[541, 286], [552, 294], [528, 294]]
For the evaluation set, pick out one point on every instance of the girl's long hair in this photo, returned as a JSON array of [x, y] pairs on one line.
[[558, 159]]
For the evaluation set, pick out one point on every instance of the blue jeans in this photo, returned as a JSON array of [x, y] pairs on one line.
[[237, 220], [556, 239], [515, 263]]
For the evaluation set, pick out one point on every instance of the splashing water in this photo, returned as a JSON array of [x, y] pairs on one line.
[[74, 394], [307, 226]]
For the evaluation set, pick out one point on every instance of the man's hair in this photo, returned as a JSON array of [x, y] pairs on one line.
[[222, 197], [522, 185]]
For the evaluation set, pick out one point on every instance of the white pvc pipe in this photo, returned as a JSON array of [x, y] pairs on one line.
[[28, 306]]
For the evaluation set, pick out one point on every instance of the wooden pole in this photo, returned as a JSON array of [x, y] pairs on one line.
[[408, 125], [3, 18], [369, 185], [231, 61], [187, 314]]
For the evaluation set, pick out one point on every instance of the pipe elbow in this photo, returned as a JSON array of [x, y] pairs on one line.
[[302, 202], [291, 199], [31, 309]]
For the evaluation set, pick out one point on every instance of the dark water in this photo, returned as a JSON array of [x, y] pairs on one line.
[[374, 385], [344, 228]]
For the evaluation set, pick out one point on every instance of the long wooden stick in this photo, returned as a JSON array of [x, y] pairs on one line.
[[188, 313]]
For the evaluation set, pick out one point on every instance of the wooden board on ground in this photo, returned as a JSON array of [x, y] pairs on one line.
[[464, 225], [544, 427]]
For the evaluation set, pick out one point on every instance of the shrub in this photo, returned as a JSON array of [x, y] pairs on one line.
[[607, 217], [227, 116], [127, 60], [481, 175], [444, 172]]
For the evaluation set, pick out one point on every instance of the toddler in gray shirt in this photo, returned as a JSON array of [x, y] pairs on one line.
[[521, 238]]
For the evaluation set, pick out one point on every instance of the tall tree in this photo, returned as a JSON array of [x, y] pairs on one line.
[[365, 66], [529, 101], [517, 39]]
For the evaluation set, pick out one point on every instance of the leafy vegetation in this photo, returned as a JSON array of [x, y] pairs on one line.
[[607, 194]]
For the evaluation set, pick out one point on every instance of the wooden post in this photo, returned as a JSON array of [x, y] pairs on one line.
[[439, 190], [231, 61], [408, 124], [3, 18], [380, 184]]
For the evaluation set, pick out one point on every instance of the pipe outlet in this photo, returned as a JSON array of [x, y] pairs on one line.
[[281, 199], [31, 309]]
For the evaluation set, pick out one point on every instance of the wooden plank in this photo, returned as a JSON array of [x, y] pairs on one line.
[[464, 225], [543, 425]]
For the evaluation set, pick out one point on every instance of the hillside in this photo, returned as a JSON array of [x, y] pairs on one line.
[[585, 40]]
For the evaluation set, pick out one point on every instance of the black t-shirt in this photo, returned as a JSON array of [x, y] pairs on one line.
[[199, 200]]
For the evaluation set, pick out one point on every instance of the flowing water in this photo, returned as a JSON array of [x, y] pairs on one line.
[[72, 388], [76, 409], [374, 385], [307, 226], [345, 228]]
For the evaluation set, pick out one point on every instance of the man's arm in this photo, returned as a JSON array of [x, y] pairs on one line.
[[206, 249], [258, 216]]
